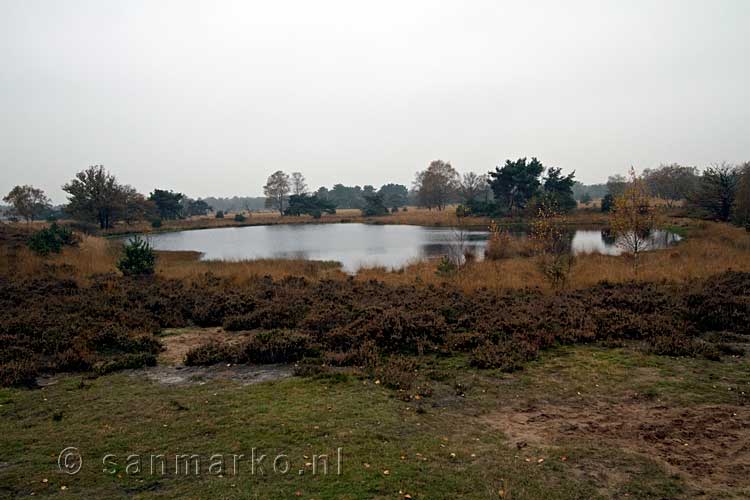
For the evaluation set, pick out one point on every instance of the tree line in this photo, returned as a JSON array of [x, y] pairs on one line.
[[720, 192]]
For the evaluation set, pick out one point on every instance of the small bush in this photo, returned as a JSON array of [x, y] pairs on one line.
[[126, 361], [683, 346], [209, 354], [51, 239], [446, 267], [18, 372], [507, 356], [156, 223], [398, 372], [220, 214], [138, 258], [275, 346], [239, 218]]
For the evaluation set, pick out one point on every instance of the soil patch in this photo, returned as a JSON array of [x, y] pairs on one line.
[[709, 445]]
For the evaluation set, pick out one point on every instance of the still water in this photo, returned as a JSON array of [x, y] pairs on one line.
[[357, 245]]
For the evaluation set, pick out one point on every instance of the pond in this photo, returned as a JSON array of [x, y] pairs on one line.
[[356, 245]]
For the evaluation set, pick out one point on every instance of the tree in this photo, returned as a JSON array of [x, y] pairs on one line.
[[309, 204], [552, 244], [374, 205], [516, 182], [474, 187], [717, 190], [437, 185], [559, 189], [168, 203], [298, 183], [138, 258], [616, 184], [607, 203], [95, 195], [586, 198], [276, 190], [135, 206], [198, 207], [27, 202], [633, 218], [394, 195], [671, 183], [343, 196], [741, 214]]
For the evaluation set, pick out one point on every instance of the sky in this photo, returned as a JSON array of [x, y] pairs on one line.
[[210, 97]]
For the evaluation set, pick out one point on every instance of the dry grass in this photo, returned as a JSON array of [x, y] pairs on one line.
[[186, 265], [414, 216], [710, 248]]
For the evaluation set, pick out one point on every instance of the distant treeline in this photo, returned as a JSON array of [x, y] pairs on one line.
[[516, 188]]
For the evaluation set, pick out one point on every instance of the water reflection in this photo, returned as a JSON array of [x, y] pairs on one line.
[[604, 241], [360, 245]]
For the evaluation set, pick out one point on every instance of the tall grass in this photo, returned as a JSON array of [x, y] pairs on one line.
[[709, 248]]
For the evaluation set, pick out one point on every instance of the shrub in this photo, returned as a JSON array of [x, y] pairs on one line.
[[209, 354], [138, 258], [608, 202], [508, 355], [398, 372], [446, 267], [18, 372], [275, 346], [51, 239], [156, 223], [126, 361], [239, 218], [682, 345], [220, 214]]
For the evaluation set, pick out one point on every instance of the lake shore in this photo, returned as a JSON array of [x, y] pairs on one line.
[[413, 216]]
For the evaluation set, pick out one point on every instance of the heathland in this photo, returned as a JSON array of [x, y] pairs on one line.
[[481, 381]]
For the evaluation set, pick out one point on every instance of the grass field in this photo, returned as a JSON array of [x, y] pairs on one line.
[[540, 433]]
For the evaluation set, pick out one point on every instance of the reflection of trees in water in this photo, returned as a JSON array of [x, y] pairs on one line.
[[608, 237], [653, 239]]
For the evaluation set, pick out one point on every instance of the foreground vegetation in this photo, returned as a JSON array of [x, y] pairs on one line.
[[671, 429]]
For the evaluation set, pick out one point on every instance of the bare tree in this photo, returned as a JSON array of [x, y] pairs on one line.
[[276, 190], [27, 201], [437, 185], [671, 182], [299, 186], [473, 187], [633, 218]]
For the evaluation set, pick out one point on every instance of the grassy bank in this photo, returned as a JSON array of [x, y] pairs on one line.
[[412, 216], [708, 248], [467, 440]]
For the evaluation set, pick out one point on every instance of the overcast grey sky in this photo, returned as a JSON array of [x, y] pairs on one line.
[[210, 97]]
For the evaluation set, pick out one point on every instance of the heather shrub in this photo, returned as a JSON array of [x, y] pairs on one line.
[[273, 315], [275, 346], [506, 356], [126, 361], [209, 354], [18, 372], [397, 372], [682, 345]]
